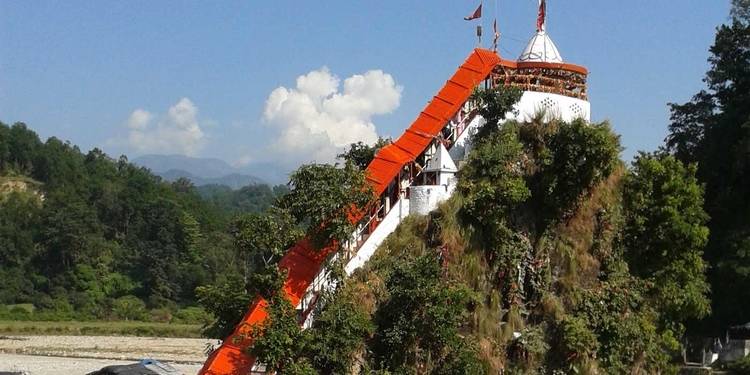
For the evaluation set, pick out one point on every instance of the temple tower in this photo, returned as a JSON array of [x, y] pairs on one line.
[[550, 84]]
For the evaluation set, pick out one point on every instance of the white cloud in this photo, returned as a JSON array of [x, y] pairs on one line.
[[139, 119], [176, 132], [316, 121]]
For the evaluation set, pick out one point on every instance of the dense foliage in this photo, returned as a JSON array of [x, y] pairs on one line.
[[88, 236], [713, 130], [419, 324], [324, 198], [665, 234], [251, 198]]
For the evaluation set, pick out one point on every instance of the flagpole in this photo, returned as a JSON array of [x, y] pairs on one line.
[[479, 27], [496, 34]]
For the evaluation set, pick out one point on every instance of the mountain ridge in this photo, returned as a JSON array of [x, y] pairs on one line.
[[207, 171]]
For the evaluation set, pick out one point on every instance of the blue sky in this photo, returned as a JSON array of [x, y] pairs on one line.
[[81, 71]]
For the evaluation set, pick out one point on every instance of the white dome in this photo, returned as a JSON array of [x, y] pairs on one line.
[[541, 49]]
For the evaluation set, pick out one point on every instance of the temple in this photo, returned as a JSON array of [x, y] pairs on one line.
[[417, 171]]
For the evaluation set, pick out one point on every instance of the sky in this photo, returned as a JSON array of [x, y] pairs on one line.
[[295, 81]]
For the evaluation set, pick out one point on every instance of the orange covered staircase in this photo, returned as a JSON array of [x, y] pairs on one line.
[[302, 262]]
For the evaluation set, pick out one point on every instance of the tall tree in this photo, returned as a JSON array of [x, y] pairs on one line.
[[665, 234], [713, 129]]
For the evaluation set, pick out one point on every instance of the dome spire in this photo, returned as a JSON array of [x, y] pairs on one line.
[[540, 47]]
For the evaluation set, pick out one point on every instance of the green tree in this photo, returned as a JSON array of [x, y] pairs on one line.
[[491, 181], [494, 104], [665, 233], [23, 146], [227, 300], [418, 326], [279, 342], [325, 197], [361, 154], [713, 129], [339, 333], [263, 240], [129, 308], [625, 328], [571, 159], [20, 217]]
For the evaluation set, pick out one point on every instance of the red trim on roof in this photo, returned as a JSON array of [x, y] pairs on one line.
[[544, 65]]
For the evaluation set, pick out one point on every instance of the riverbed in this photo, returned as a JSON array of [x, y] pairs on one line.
[[48, 355]]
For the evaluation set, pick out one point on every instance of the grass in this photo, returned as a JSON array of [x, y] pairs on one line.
[[114, 328]]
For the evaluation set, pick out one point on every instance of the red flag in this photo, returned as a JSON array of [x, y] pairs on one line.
[[477, 14], [542, 14]]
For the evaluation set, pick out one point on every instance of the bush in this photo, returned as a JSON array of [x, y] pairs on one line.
[[21, 308], [161, 315], [739, 367], [129, 308], [192, 315], [577, 341]]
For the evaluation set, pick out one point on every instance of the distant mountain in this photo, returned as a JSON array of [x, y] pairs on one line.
[[198, 167], [270, 172], [207, 171], [233, 180]]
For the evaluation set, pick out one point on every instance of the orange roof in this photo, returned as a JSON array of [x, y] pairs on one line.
[[389, 158], [385, 166]]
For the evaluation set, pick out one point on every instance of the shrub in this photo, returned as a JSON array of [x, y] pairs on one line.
[[129, 308], [739, 367], [192, 315], [161, 315], [577, 341]]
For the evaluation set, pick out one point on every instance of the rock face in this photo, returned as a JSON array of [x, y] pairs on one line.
[[10, 185]]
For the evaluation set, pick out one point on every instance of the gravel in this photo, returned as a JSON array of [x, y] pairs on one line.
[[41, 365], [41, 355]]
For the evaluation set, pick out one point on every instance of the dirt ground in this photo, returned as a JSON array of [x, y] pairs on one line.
[[43, 355]]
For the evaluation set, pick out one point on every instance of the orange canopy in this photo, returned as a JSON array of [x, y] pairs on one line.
[[388, 162]]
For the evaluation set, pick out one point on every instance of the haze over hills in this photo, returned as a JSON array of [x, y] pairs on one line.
[[234, 180], [201, 167], [207, 171]]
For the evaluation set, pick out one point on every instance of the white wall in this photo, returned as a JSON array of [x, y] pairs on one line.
[[558, 106], [425, 198], [398, 212]]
